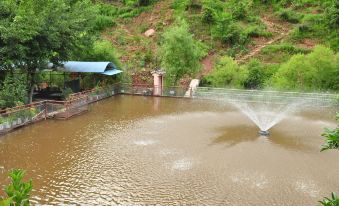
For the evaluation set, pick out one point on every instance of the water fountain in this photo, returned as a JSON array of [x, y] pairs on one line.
[[265, 108]]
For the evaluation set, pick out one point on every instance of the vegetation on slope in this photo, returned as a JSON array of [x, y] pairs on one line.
[[254, 43], [271, 32]]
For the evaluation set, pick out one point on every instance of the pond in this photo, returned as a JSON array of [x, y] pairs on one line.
[[133, 150]]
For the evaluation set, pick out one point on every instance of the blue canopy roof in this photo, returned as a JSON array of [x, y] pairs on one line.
[[106, 68]]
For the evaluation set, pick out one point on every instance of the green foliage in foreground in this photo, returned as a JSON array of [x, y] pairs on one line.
[[332, 142], [332, 138], [332, 201], [180, 53], [18, 192]]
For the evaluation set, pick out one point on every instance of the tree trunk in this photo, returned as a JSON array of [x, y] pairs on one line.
[[31, 87]]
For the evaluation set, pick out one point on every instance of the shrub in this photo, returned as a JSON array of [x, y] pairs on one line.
[[227, 73], [180, 53], [66, 92], [105, 16], [257, 31], [258, 74], [180, 4], [102, 22], [228, 31], [210, 11], [13, 90], [332, 14], [240, 9], [208, 15], [102, 50], [285, 47], [315, 71], [290, 16]]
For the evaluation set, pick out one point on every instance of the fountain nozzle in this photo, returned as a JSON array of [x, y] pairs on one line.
[[264, 133]]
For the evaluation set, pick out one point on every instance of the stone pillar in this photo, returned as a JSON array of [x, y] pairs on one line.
[[158, 82]]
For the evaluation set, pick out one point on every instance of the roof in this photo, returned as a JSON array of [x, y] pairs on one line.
[[106, 68]]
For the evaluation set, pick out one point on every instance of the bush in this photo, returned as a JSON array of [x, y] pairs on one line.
[[257, 31], [258, 74], [66, 92], [240, 9], [13, 90], [227, 73], [290, 16], [315, 71], [285, 47], [208, 15], [210, 11], [180, 53], [102, 50], [332, 14], [228, 31], [102, 22]]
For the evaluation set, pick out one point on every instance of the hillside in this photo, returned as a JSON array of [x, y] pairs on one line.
[[269, 32], [272, 29]]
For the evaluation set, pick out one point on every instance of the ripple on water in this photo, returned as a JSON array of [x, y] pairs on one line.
[[182, 164], [166, 152], [145, 142], [307, 187], [254, 180]]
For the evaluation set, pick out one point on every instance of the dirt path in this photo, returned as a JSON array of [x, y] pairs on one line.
[[207, 63], [279, 29]]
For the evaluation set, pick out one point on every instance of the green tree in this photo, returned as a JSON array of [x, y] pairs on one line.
[[35, 32], [180, 53]]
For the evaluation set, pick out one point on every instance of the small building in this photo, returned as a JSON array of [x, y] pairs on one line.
[[72, 72]]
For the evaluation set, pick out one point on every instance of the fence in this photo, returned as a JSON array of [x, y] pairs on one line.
[[263, 96], [151, 90], [78, 103], [20, 116]]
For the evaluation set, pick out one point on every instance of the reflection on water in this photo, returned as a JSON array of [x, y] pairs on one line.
[[146, 151]]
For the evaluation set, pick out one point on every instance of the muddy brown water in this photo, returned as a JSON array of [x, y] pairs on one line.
[[131, 150]]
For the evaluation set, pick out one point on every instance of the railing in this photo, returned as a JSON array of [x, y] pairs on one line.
[[154, 90], [263, 96], [78, 103], [20, 116], [23, 115]]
